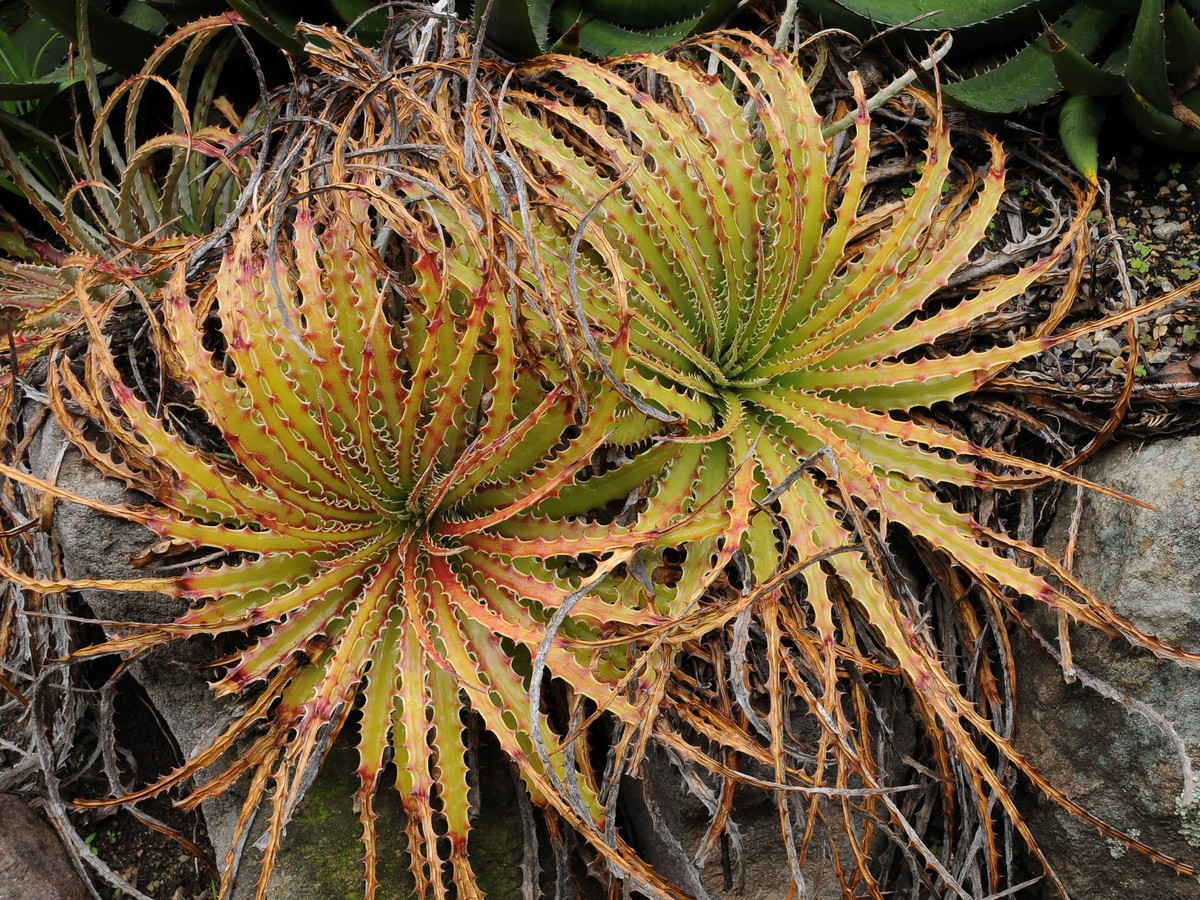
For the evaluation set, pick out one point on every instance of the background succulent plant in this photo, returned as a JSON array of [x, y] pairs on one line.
[[170, 61], [113, 207], [1153, 69], [525, 28], [122, 42], [1146, 53], [783, 332]]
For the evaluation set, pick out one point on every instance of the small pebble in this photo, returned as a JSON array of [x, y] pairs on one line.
[[1158, 212], [1108, 347], [1168, 231]]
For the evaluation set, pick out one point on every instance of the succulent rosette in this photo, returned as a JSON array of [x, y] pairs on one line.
[[784, 330], [384, 490]]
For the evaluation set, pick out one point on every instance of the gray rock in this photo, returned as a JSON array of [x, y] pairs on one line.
[[96, 546], [33, 863], [1118, 765], [1168, 231]]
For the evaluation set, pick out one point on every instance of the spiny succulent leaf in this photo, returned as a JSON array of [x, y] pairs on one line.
[[1182, 38], [1146, 70], [1079, 75], [1157, 125], [118, 43], [646, 13], [949, 15], [1079, 123], [1028, 78], [599, 27]]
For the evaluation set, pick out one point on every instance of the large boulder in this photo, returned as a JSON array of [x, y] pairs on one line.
[[1120, 738]]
